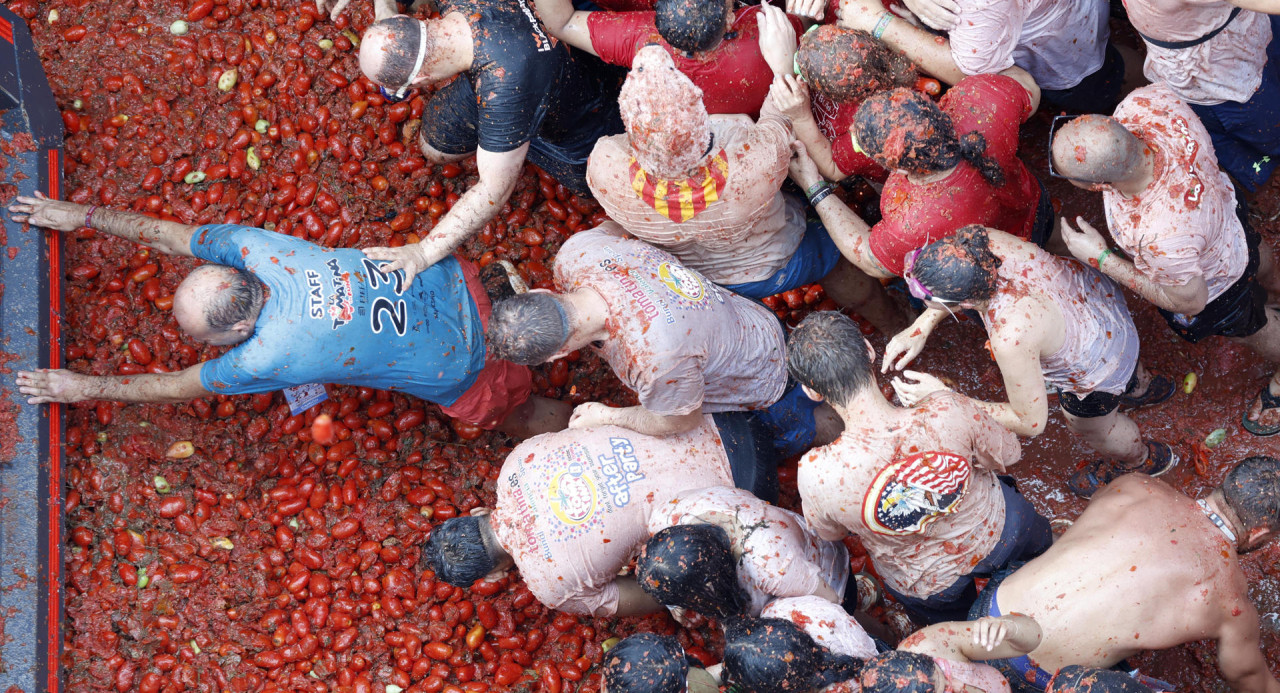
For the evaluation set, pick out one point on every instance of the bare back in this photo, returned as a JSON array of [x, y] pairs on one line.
[[1142, 569]]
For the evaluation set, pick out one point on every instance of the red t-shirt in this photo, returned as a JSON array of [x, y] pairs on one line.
[[835, 120], [626, 5], [916, 215], [734, 78]]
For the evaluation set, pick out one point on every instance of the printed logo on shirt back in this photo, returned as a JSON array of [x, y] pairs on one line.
[[575, 488], [682, 281], [341, 306], [910, 493]]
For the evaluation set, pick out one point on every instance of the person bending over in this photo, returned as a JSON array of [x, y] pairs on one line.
[[721, 552], [1049, 319], [299, 313], [573, 508], [1104, 591], [918, 485], [1183, 230], [1222, 58], [519, 94], [709, 192], [952, 164], [713, 43], [1063, 44], [683, 344]]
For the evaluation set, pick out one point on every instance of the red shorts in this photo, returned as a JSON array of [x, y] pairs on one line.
[[502, 386]]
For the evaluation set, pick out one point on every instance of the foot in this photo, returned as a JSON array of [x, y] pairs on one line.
[[1151, 388], [1085, 482], [1263, 417]]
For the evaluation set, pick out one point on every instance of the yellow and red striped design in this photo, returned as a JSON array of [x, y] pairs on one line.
[[681, 200]]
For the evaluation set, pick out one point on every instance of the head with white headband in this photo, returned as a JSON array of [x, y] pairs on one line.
[[393, 52]]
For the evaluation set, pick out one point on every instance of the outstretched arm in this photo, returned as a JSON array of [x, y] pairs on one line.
[[638, 419], [850, 233], [974, 641], [1263, 6], [1087, 245], [45, 385], [791, 96], [499, 174], [1239, 653], [565, 23], [168, 237]]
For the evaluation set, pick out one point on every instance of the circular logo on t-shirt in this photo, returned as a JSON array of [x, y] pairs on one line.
[[912, 492], [572, 495], [682, 281]]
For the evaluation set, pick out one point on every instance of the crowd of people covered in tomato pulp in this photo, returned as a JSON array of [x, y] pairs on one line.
[[863, 153]]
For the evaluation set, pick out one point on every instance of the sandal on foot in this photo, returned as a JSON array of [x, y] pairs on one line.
[[1160, 389], [1269, 402], [1099, 473]]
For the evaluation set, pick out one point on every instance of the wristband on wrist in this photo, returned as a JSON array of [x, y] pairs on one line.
[[882, 24], [88, 217], [815, 189], [821, 195], [1102, 257]]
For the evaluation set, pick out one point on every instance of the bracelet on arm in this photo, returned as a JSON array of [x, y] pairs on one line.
[[882, 24], [824, 189], [88, 217], [1102, 257]]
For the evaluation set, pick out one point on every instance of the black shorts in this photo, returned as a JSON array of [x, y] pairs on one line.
[[753, 458], [1097, 93], [1241, 310], [449, 126], [1094, 404]]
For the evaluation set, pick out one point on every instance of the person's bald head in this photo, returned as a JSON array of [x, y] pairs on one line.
[[219, 305], [389, 51], [1096, 149]]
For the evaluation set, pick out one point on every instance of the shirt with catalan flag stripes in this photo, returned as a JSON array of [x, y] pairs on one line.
[[728, 220]]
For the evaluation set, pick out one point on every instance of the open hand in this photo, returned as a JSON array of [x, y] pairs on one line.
[[936, 14], [910, 393], [1086, 244], [412, 258], [777, 39], [45, 385], [791, 96], [905, 346], [46, 213], [809, 9], [591, 415]]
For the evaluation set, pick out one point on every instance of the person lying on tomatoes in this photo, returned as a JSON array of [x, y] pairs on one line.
[[297, 313], [573, 508], [686, 346], [519, 94], [1104, 591]]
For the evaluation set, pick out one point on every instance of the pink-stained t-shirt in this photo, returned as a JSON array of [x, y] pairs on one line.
[[983, 677], [1100, 345], [1227, 67], [779, 556], [573, 507], [1184, 225], [827, 623], [921, 495], [675, 338], [1059, 42], [729, 220]]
